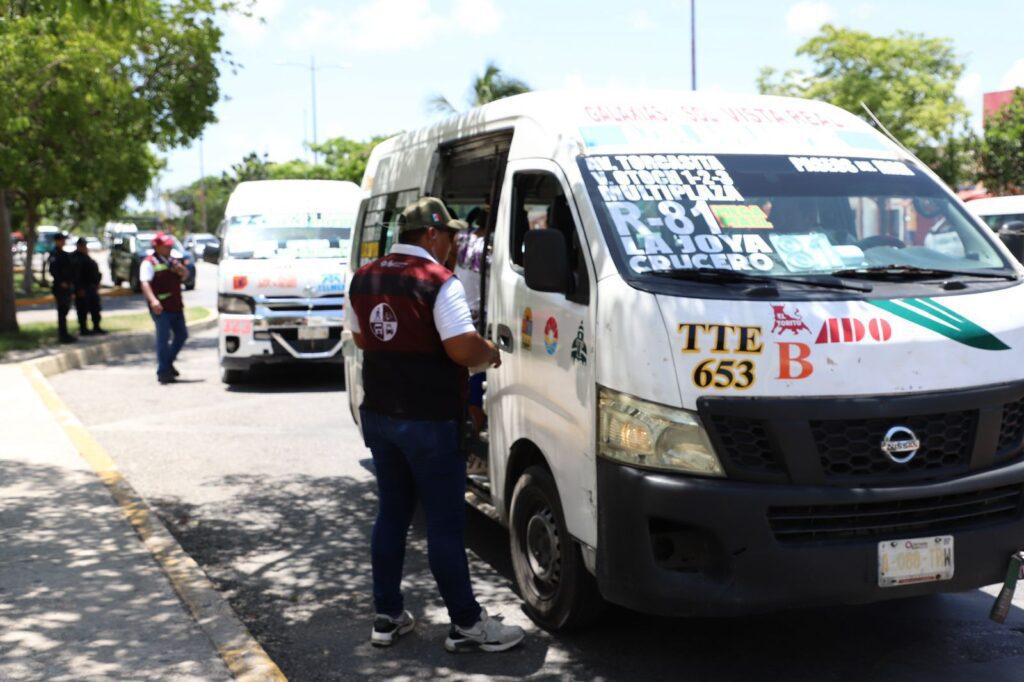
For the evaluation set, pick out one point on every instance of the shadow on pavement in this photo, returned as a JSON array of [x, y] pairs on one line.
[[304, 591], [80, 596]]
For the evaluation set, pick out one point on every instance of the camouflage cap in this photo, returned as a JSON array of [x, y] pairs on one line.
[[428, 212]]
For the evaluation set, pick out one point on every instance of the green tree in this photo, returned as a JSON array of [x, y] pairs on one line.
[[907, 80], [491, 85], [1002, 149], [346, 159], [88, 89]]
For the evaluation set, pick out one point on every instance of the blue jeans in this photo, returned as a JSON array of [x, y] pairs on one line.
[[419, 460], [168, 324]]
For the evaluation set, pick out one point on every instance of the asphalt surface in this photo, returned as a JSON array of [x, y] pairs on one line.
[[268, 486]]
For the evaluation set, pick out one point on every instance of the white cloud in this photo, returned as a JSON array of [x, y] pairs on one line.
[[865, 10], [393, 25], [480, 17], [808, 16], [1014, 78], [969, 87], [251, 29], [641, 21]]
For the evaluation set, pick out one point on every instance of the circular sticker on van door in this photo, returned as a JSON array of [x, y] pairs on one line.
[[551, 336], [383, 322]]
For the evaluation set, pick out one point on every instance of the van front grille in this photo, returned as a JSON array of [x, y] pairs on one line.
[[898, 519]]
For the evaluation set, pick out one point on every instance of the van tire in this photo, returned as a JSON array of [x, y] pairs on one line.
[[558, 591], [135, 282], [232, 376]]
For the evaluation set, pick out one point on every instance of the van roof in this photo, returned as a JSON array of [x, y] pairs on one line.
[[997, 205], [257, 197], [659, 121]]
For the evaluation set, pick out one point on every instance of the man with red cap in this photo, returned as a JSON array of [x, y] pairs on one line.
[[161, 277]]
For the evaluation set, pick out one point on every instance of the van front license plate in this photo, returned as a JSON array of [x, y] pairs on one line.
[[920, 560], [313, 333]]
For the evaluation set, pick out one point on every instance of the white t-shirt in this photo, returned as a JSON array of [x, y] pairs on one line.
[[451, 312], [146, 271]]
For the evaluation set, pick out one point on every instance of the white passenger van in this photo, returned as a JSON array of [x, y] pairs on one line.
[[734, 376], [281, 286]]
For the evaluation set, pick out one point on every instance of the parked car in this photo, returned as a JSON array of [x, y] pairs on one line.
[[996, 211], [94, 244], [126, 255], [197, 242]]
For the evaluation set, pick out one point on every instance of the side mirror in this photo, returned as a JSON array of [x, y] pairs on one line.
[[546, 260], [211, 254]]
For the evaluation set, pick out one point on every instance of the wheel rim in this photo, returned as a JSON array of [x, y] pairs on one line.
[[543, 551]]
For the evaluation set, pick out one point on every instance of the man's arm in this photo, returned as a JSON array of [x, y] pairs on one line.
[[472, 350], [154, 302]]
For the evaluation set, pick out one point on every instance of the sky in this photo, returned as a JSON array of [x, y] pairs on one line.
[[380, 61]]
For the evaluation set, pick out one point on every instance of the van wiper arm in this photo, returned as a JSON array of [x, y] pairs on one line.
[[726, 276], [896, 271]]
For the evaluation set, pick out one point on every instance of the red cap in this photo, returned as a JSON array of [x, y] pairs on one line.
[[162, 239]]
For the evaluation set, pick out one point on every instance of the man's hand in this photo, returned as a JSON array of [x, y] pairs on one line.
[[179, 268], [157, 307]]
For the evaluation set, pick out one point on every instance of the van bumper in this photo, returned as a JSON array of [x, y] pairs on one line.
[[682, 545]]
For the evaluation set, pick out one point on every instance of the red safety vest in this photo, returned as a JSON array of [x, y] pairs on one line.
[[406, 372], [166, 284]]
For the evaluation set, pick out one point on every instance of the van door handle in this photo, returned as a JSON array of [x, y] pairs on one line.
[[504, 338]]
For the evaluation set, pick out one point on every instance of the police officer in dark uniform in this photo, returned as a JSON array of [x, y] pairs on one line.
[[87, 283], [62, 272]]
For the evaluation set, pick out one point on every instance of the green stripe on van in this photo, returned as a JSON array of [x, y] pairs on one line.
[[940, 319]]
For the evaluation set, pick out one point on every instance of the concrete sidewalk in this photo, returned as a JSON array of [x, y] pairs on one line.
[[92, 586]]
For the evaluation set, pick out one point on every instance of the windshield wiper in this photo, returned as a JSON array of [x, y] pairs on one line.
[[725, 276], [894, 270]]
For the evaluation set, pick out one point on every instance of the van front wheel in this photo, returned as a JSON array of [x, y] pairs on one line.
[[559, 592]]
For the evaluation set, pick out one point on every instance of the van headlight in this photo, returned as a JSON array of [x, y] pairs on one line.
[[634, 431], [235, 305]]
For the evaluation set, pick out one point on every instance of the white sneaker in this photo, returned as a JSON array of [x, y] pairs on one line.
[[486, 634], [386, 630]]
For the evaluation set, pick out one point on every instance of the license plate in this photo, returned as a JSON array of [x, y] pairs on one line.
[[313, 333], [919, 560]]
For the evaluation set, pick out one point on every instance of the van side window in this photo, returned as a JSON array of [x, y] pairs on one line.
[[538, 202], [379, 227]]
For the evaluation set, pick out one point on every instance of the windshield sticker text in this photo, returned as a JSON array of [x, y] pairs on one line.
[[824, 164], [741, 217]]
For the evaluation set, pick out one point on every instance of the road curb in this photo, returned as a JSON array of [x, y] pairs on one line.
[[241, 653], [76, 358]]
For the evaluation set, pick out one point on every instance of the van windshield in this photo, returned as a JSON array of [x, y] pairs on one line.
[[778, 216], [298, 235]]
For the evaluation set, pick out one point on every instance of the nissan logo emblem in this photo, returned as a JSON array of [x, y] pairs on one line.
[[900, 444]]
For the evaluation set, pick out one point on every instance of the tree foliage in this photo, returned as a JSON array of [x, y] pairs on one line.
[[90, 88], [907, 80], [491, 85], [1002, 150]]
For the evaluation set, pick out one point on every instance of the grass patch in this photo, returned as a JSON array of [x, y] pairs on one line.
[[38, 290], [42, 334]]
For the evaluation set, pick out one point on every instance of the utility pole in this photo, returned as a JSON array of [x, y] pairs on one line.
[[693, 44], [313, 68], [202, 188]]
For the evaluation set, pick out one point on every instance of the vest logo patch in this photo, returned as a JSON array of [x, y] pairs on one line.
[[383, 322]]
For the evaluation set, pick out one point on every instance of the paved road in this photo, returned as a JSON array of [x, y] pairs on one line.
[[266, 485]]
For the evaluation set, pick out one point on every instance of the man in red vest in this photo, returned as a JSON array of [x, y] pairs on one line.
[[409, 315], [161, 277]]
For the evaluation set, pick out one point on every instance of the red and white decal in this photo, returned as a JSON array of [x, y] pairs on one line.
[[852, 330], [786, 322], [238, 327]]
